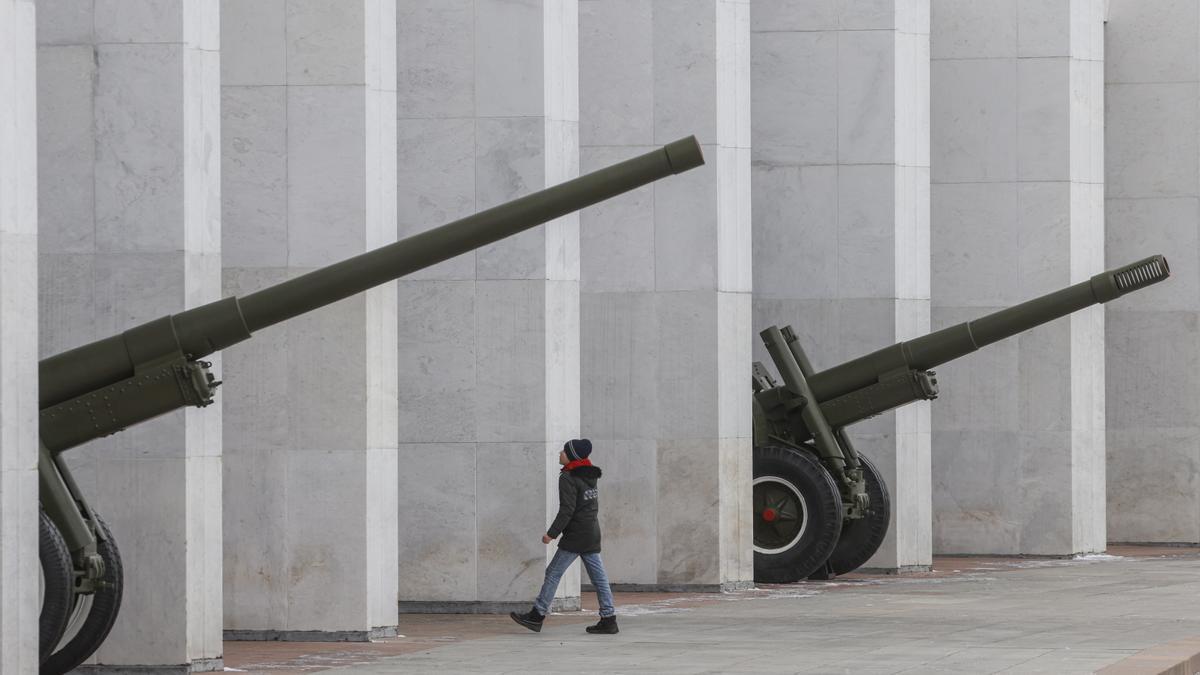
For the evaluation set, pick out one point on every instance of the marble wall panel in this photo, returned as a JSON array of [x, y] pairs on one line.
[[686, 511], [487, 111], [796, 209], [254, 45], [619, 99], [623, 401], [794, 90], [1153, 495], [627, 519], [841, 209], [1044, 28], [687, 365], [322, 552], [974, 124], [1143, 226], [867, 96], [436, 183], [19, 203], [327, 42], [665, 280], [1016, 215], [685, 230], [309, 180], [66, 192], [620, 256], [255, 158], [1151, 41], [976, 29], [1151, 91], [438, 337], [326, 173], [438, 485], [128, 99], [139, 165], [1043, 119], [63, 22], [511, 159], [1142, 161], [511, 557]]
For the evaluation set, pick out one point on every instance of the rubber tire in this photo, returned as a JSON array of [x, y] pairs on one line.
[[106, 602], [861, 538], [58, 575], [824, 503]]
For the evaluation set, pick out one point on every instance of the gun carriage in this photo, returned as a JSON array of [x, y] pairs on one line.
[[821, 508], [149, 370]]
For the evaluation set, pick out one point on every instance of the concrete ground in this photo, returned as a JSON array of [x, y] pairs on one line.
[[1134, 610]]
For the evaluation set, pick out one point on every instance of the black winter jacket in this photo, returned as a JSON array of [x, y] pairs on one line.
[[578, 511]]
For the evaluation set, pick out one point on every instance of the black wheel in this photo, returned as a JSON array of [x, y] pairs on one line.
[[93, 615], [862, 537], [797, 514], [56, 585]]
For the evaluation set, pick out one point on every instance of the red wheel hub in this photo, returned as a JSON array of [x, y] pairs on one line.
[[769, 515]]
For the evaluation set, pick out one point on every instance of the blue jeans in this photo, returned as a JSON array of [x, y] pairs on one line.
[[558, 566]]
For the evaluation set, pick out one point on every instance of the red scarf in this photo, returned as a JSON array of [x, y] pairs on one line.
[[571, 466]]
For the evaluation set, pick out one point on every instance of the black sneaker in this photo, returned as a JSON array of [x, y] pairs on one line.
[[607, 626], [531, 620]]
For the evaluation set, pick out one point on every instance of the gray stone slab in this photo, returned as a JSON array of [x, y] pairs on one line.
[[840, 192], [376, 633], [1047, 616], [1151, 196], [128, 126], [18, 338], [309, 164], [560, 604], [488, 349], [1016, 214]]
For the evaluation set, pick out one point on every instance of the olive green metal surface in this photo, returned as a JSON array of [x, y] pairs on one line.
[[950, 343], [810, 411], [123, 360], [149, 370]]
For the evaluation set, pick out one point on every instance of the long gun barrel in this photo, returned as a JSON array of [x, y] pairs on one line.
[[950, 343], [101, 387], [900, 374]]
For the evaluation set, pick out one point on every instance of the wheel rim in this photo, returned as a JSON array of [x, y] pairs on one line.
[[79, 614], [780, 514]]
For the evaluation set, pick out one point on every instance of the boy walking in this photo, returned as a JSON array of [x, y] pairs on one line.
[[578, 509]]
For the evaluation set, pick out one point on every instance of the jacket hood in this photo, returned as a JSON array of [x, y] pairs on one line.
[[587, 472]]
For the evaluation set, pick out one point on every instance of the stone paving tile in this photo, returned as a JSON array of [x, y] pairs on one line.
[[1034, 616], [1061, 661]]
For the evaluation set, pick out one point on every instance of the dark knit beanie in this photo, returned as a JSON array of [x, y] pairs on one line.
[[578, 448]]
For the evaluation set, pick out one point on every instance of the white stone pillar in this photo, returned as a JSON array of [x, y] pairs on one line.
[[309, 169], [128, 138], [841, 211], [1152, 117], [1018, 200], [489, 348], [18, 341], [666, 293]]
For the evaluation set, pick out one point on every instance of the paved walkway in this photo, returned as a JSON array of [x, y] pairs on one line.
[[1137, 611]]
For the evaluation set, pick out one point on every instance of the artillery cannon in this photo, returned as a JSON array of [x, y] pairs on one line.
[[820, 507], [106, 386]]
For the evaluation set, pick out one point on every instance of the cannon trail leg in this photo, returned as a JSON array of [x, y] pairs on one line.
[[57, 579], [797, 514]]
